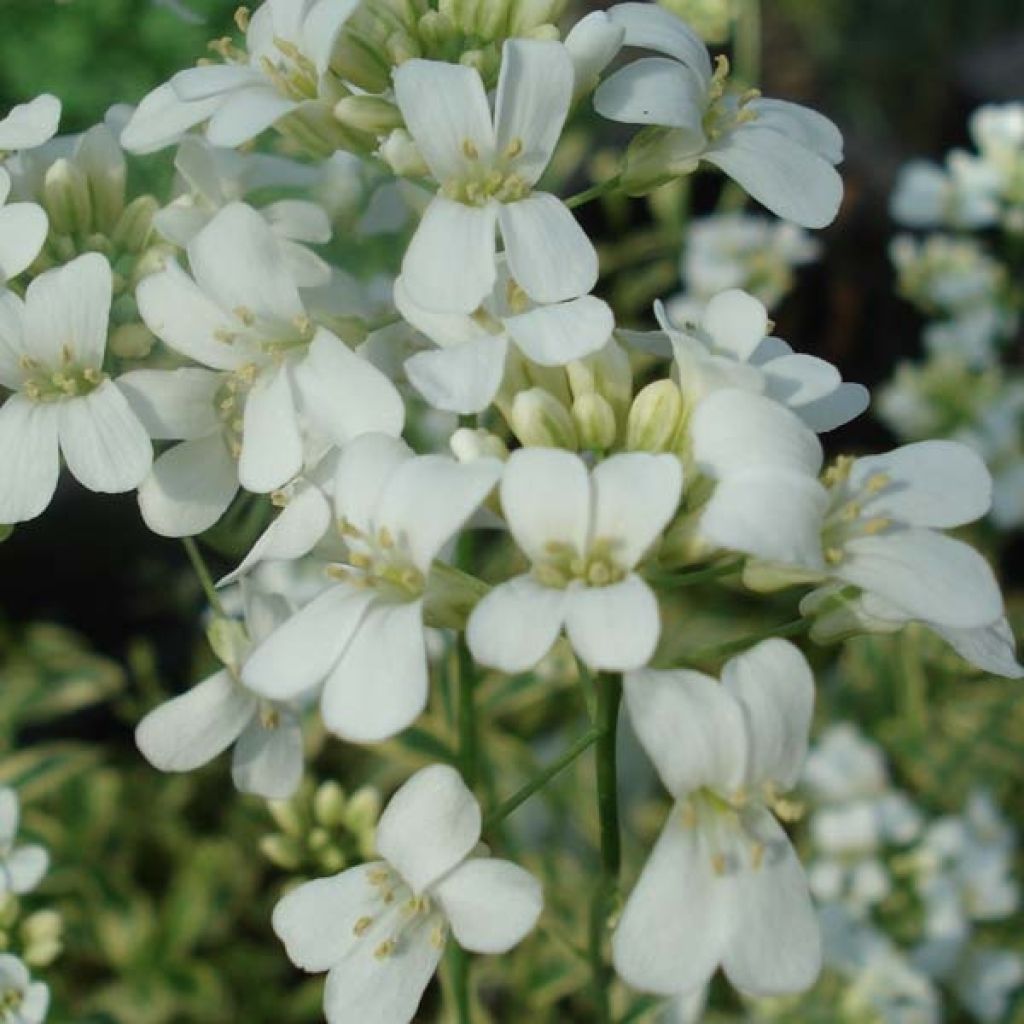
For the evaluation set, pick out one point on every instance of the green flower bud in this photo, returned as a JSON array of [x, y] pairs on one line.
[[66, 199], [135, 225], [595, 422], [131, 341], [329, 804], [402, 155], [468, 445], [654, 157], [540, 420], [41, 938], [288, 815], [282, 851], [229, 641], [363, 810], [369, 114], [655, 418]]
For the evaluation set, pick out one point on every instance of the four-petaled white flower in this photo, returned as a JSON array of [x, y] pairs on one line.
[[30, 124], [288, 46], [189, 731], [487, 169], [723, 886], [364, 636], [22, 1000], [380, 929], [21, 867], [584, 534], [781, 153], [51, 356]]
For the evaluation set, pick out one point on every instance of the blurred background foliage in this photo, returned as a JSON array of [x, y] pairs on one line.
[[165, 885]]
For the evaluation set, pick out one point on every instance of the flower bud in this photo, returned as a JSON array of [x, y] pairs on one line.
[[540, 420], [652, 159], [595, 422], [66, 198], [369, 114], [655, 418], [136, 224], [287, 815], [228, 640], [451, 596], [402, 155], [329, 804], [131, 341], [607, 373], [282, 851], [41, 938], [363, 810], [101, 158], [525, 18], [468, 445]]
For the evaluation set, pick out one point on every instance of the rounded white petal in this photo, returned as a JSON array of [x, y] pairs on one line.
[[271, 439], [462, 379], [534, 93], [191, 730], [23, 228], [364, 469], [173, 404], [29, 458], [30, 124], [379, 685], [245, 114], [12, 341], [161, 119], [36, 1003], [268, 761], [546, 497], [298, 655], [105, 446], [444, 329], [990, 648], [592, 44], [797, 380], [635, 496], [846, 403], [690, 727], [654, 28], [492, 905], [516, 624], [549, 254], [653, 91], [737, 322], [200, 83], [678, 918], [449, 266], [23, 869], [808, 127], [429, 826], [189, 487], [614, 628], [774, 684], [321, 28], [558, 334]]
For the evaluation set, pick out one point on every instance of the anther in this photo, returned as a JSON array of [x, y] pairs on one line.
[[469, 150], [362, 926]]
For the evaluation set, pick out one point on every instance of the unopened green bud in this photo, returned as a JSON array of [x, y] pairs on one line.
[[229, 641], [282, 851], [655, 418], [435, 30], [135, 225], [401, 47], [595, 422], [490, 19], [329, 804], [66, 198], [9, 910], [541, 421], [101, 158], [607, 373], [332, 860], [288, 816], [402, 155], [369, 114], [319, 839], [527, 16], [363, 810], [468, 445], [41, 938], [131, 341], [544, 33], [653, 158], [451, 596]]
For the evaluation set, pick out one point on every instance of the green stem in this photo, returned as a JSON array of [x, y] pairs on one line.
[[468, 752], [747, 46], [203, 574], [507, 807], [668, 581], [594, 192], [459, 960], [700, 657]]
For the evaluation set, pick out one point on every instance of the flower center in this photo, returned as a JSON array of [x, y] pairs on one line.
[[727, 107], [845, 520], [44, 384], [564, 565], [402, 918], [483, 182], [381, 561], [10, 1003]]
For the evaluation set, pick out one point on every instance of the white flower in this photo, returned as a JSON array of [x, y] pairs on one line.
[[23, 228], [963, 195], [30, 124], [288, 46], [21, 867], [487, 167], [986, 981], [213, 178], [584, 534], [273, 374], [723, 886], [464, 373], [22, 1000], [364, 636], [781, 153], [189, 731], [379, 929], [51, 357]]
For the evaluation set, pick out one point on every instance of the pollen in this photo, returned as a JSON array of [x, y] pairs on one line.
[[362, 926]]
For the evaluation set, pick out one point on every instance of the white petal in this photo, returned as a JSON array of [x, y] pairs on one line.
[[492, 905], [653, 91], [105, 446], [635, 496], [271, 440], [245, 114], [379, 685], [734, 430], [449, 266], [927, 576], [364, 469], [444, 329], [30, 124], [445, 107], [798, 380], [189, 487], [654, 28], [515, 625], [846, 403], [737, 323], [36, 1003], [24, 869], [791, 181], [430, 825], [775, 946], [10, 815], [690, 727], [321, 28], [546, 497], [23, 228], [345, 395], [558, 334], [592, 43], [773, 682], [549, 254], [12, 341], [990, 648], [933, 483], [316, 921], [200, 83], [268, 761], [462, 379], [29, 458], [428, 500], [180, 313], [812, 130], [774, 514], [298, 220], [677, 919], [534, 92], [69, 307], [173, 404], [161, 119], [298, 655], [614, 628], [191, 730]]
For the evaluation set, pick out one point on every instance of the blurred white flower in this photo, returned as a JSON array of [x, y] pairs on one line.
[[22, 1000], [30, 124], [21, 867]]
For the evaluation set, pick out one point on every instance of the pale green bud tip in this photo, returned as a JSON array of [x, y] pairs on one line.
[[363, 810], [287, 816], [468, 445], [228, 640], [282, 851], [595, 422], [131, 341], [329, 804], [369, 114], [540, 420], [66, 198], [402, 155], [136, 224], [655, 418]]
